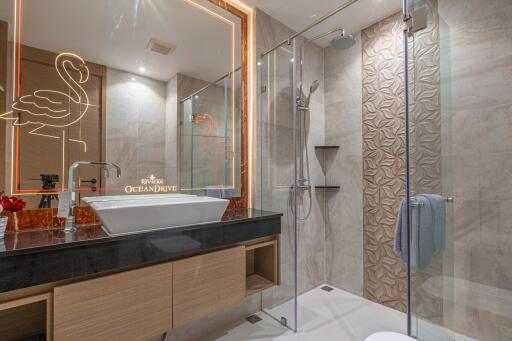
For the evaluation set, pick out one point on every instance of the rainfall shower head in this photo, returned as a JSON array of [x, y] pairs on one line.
[[343, 41]]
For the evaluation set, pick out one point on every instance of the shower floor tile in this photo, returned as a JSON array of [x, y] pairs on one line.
[[335, 315]]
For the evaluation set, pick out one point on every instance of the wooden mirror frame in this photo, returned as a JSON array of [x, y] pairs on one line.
[[243, 200]]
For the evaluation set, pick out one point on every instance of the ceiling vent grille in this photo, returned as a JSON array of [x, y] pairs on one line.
[[160, 47]]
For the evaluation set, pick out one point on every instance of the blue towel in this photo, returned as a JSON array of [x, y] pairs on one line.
[[401, 232], [438, 205], [220, 192], [427, 229], [422, 243]]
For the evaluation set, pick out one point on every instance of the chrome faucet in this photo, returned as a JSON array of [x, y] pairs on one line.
[[70, 221]]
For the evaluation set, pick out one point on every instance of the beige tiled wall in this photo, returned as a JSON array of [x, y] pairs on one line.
[[343, 127], [135, 126], [171, 129]]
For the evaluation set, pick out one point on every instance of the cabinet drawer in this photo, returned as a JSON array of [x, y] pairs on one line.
[[208, 283], [132, 305]]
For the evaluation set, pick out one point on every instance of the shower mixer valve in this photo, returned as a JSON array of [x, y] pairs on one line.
[[303, 184], [301, 104]]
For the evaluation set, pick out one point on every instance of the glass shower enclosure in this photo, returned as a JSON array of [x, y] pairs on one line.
[[277, 129], [460, 146], [458, 124]]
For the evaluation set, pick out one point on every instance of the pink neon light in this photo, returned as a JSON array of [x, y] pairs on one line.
[[20, 5], [17, 156], [77, 189]]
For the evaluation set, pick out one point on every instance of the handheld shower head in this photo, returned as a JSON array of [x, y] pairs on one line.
[[314, 86]]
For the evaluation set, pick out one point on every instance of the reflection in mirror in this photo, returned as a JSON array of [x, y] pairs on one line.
[[154, 86]]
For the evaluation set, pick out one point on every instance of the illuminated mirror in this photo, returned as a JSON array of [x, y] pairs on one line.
[[155, 86]]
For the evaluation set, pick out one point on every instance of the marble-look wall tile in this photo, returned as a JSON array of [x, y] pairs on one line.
[[135, 126], [171, 129], [343, 127]]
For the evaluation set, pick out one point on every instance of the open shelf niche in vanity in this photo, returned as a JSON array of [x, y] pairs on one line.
[[26, 318], [262, 266]]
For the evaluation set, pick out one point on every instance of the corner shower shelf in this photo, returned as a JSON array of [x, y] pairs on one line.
[[328, 187], [327, 147]]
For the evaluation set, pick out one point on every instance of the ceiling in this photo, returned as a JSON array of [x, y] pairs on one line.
[[297, 14], [115, 33]]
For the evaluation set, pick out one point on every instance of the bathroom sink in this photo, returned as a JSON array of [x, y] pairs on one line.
[[125, 214]]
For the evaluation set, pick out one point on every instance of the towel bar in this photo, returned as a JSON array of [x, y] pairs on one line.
[[419, 204]]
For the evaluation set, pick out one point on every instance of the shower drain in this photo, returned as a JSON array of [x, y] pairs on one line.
[[327, 288], [253, 319]]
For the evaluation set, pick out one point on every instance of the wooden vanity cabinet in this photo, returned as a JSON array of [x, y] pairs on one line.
[[132, 305], [144, 303], [207, 283]]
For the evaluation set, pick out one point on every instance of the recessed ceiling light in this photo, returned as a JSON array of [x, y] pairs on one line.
[[133, 79], [142, 69]]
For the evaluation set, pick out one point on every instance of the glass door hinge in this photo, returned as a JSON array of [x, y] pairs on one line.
[[417, 20]]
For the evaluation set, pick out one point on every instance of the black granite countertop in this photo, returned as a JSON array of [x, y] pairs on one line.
[[46, 256]]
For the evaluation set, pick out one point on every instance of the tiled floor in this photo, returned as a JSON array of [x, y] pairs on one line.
[[336, 315]]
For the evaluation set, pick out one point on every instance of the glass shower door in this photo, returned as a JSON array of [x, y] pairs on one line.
[[461, 147], [209, 133], [426, 169], [277, 159]]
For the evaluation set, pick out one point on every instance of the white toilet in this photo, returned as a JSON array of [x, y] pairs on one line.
[[388, 336]]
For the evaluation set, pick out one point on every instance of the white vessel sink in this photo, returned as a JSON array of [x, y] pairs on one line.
[[125, 214]]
